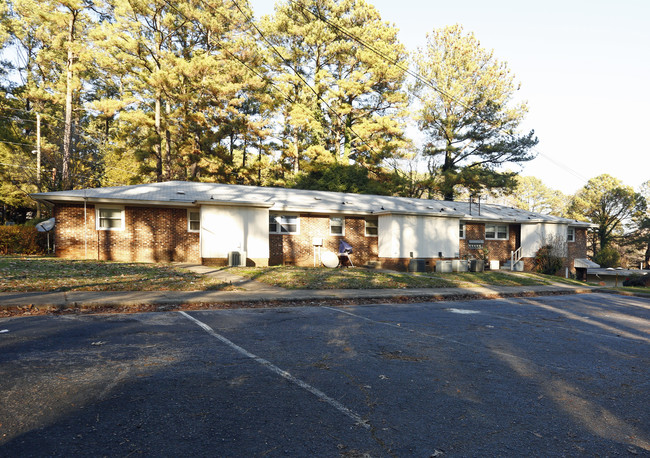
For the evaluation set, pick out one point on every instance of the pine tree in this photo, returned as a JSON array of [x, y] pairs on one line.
[[343, 102], [184, 96], [607, 202], [468, 113], [52, 35]]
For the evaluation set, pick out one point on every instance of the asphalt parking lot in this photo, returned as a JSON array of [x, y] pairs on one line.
[[546, 376]]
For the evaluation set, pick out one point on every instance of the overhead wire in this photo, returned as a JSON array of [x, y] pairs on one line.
[[31, 167], [421, 79], [268, 80], [297, 73], [264, 78], [354, 37], [17, 143], [54, 117]]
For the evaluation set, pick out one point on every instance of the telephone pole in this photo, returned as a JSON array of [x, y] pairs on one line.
[[38, 162]]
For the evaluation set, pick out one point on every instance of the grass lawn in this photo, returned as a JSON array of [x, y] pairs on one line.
[[54, 274], [357, 278]]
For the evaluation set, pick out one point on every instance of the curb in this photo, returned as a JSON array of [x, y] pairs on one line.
[[622, 293], [165, 304]]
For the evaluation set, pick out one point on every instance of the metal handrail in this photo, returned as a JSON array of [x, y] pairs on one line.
[[515, 257]]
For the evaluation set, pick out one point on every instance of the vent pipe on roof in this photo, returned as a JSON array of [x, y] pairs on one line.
[[471, 201]]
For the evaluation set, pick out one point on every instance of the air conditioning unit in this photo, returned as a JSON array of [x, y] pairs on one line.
[[417, 265], [237, 259]]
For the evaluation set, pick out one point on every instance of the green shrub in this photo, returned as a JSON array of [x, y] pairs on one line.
[[546, 261], [21, 240], [608, 257]]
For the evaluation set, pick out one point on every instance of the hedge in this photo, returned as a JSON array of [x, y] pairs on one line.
[[22, 240]]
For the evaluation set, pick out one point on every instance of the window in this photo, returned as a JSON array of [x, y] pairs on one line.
[[372, 227], [461, 230], [571, 234], [193, 220], [337, 225], [110, 219], [496, 231], [283, 224]]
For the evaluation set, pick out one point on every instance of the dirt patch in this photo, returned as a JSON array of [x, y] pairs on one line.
[[400, 356]]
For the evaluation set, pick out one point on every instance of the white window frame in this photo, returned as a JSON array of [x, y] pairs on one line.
[[278, 222], [376, 227], [190, 220], [109, 207], [342, 226], [461, 230], [496, 232], [570, 234]]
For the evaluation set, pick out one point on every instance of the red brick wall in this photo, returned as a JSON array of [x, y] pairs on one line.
[[160, 234], [498, 249], [577, 249], [297, 249], [151, 234], [402, 264]]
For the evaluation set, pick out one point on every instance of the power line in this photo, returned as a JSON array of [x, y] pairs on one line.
[[17, 143], [421, 79], [16, 118], [266, 79], [242, 62], [78, 175], [56, 118], [288, 64], [565, 167]]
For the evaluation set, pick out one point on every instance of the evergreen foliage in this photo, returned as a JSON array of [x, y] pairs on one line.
[[605, 201], [547, 260], [468, 113], [608, 256], [21, 240], [314, 96]]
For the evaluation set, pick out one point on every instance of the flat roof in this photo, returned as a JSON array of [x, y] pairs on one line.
[[188, 193]]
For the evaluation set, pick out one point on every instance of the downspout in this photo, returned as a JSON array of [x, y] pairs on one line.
[[85, 228], [200, 233]]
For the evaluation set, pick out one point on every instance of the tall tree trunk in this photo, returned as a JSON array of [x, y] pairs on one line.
[[67, 129], [158, 145], [296, 150], [243, 161], [347, 136], [338, 148], [168, 146], [259, 161], [447, 186]]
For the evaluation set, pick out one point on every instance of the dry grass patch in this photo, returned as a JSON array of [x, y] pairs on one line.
[[22, 274], [349, 278], [358, 278]]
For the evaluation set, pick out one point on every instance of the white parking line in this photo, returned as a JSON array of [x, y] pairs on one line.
[[282, 373]]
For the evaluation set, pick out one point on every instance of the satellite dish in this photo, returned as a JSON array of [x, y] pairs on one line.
[[330, 259], [45, 226]]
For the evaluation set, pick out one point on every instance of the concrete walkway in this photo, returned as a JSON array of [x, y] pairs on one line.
[[277, 296], [224, 275]]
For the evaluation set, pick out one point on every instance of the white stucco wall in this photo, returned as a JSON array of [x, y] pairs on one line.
[[424, 236], [225, 229], [533, 235]]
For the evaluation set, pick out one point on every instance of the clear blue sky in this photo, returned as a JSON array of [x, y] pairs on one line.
[[584, 67]]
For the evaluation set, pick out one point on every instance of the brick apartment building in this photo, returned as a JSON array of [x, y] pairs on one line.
[[230, 224]]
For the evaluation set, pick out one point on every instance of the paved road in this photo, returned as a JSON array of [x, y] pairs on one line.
[[549, 376]]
